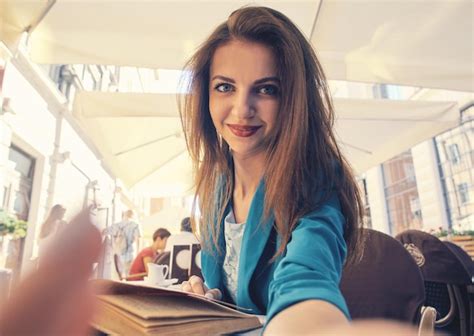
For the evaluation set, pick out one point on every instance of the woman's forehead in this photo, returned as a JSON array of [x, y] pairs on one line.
[[243, 59]]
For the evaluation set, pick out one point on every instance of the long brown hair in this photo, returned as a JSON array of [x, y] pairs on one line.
[[303, 159]]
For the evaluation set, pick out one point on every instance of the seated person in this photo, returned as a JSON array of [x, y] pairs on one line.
[[185, 237], [148, 254]]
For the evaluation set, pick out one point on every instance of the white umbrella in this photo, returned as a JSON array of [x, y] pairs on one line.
[[18, 16], [139, 134], [154, 34], [418, 43], [370, 132]]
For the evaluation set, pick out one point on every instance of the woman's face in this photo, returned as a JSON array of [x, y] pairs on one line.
[[244, 93]]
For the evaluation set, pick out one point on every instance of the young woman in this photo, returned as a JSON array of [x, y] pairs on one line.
[[280, 206], [51, 226], [279, 202]]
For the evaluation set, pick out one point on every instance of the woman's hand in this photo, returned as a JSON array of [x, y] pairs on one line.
[[56, 299], [196, 285]]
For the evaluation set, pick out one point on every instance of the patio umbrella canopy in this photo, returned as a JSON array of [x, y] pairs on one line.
[[422, 43], [418, 43], [153, 34], [370, 132], [139, 134], [17, 17]]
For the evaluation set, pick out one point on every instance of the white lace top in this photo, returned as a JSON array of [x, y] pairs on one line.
[[233, 240]]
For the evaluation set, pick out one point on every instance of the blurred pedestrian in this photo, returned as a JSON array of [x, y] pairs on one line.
[[50, 227], [125, 237]]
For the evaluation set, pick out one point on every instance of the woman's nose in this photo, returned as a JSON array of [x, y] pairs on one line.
[[243, 106]]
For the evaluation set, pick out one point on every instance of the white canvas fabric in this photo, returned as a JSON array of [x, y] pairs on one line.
[[416, 43], [368, 131]]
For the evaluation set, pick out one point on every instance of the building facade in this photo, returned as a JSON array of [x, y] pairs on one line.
[[45, 159], [430, 186]]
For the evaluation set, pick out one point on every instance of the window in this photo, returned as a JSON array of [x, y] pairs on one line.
[[463, 190], [380, 91], [4, 198], [454, 155], [456, 165], [401, 193], [25, 164], [415, 207], [386, 91], [23, 184]]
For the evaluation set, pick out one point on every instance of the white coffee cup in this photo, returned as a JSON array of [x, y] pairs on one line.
[[157, 273]]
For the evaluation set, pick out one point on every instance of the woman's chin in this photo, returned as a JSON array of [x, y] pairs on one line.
[[241, 153]]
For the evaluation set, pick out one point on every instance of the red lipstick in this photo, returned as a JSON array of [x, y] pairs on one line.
[[242, 130]]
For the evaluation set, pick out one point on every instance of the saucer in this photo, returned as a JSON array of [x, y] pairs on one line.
[[164, 283]]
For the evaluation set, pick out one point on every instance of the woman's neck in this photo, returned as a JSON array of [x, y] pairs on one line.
[[248, 172]]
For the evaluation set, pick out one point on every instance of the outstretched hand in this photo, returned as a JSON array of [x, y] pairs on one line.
[[57, 299]]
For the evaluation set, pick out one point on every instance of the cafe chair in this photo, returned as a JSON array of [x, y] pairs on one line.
[[121, 274], [447, 281], [163, 258], [385, 283], [463, 257], [469, 265], [427, 321]]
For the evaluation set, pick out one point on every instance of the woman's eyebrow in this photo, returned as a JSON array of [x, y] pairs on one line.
[[267, 79], [227, 79]]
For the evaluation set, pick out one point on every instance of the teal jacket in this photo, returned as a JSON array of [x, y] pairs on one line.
[[310, 268]]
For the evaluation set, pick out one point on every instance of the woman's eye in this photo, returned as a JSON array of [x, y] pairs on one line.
[[270, 90], [223, 87]]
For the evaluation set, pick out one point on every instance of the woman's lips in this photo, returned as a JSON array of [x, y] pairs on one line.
[[243, 131]]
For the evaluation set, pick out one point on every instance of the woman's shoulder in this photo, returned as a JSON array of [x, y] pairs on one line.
[[326, 210]]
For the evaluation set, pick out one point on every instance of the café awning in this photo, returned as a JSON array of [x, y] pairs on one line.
[[139, 135], [149, 34], [417, 43], [17, 17], [370, 132]]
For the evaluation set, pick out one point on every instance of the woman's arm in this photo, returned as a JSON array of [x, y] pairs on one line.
[[316, 317], [306, 318], [311, 268]]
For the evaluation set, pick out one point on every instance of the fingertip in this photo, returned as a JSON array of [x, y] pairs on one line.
[[194, 279], [78, 235], [186, 287], [215, 293]]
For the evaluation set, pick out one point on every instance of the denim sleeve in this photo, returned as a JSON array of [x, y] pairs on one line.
[[312, 265]]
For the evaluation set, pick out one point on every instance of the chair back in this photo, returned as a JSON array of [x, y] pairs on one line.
[[163, 258], [463, 257], [446, 280], [468, 292], [385, 283], [436, 261]]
